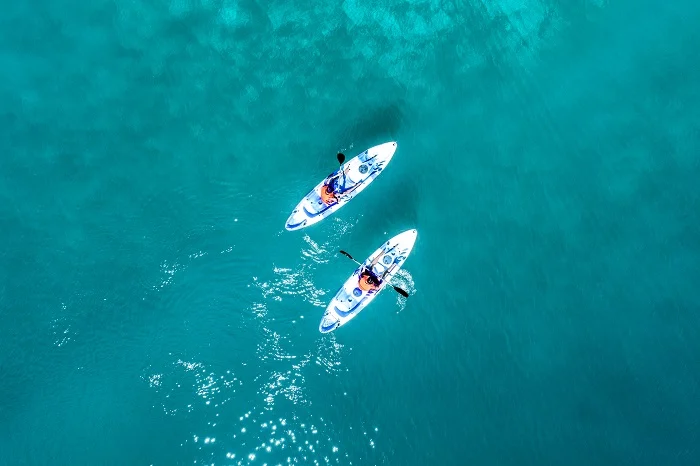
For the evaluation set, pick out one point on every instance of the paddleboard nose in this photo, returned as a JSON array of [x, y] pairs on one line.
[[390, 146], [407, 238], [328, 324], [413, 234], [296, 220], [385, 151]]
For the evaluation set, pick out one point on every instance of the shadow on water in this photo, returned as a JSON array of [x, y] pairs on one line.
[[397, 209], [380, 124]]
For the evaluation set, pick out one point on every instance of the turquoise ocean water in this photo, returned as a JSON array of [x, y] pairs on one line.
[[154, 310]]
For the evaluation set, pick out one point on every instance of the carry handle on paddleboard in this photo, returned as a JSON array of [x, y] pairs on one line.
[[398, 290]]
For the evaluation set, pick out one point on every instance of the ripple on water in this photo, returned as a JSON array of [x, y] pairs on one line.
[[299, 282], [188, 381], [167, 272], [261, 439], [289, 283], [404, 280], [265, 411], [61, 328], [275, 427]]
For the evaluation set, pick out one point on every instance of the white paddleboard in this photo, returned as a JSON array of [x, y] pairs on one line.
[[359, 171], [351, 299]]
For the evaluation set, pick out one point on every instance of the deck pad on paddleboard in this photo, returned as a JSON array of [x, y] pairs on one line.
[[358, 173], [350, 298]]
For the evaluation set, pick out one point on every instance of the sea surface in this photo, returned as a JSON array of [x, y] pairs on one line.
[[154, 311]]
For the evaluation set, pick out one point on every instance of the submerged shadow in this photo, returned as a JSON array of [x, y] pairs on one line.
[[380, 123], [368, 125], [399, 200]]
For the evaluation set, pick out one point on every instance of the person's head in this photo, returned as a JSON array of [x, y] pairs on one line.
[[371, 278]]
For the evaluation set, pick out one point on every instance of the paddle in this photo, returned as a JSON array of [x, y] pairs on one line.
[[341, 159], [398, 290]]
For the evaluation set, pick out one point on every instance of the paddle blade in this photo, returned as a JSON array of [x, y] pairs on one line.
[[341, 158], [400, 291], [346, 254]]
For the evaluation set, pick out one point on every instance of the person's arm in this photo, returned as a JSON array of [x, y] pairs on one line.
[[336, 174], [350, 189]]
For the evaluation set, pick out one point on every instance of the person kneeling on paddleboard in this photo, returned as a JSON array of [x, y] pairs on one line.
[[331, 189], [368, 280]]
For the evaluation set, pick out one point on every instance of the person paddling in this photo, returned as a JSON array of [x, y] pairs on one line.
[[369, 281], [331, 188]]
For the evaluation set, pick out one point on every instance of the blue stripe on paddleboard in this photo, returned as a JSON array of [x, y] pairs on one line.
[[343, 313], [347, 313], [291, 227], [312, 215]]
